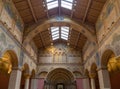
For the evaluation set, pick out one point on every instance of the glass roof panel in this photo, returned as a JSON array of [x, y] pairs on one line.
[[64, 35], [55, 33], [53, 29], [49, 0], [55, 38], [69, 1], [64, 38], [52, 4], [66, 4]]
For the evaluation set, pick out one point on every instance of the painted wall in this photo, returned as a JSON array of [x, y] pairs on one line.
[[108, 17], [108, 33], [10, 17], [59, 53]]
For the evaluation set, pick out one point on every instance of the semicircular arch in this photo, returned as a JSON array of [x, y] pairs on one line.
[[53, 22]]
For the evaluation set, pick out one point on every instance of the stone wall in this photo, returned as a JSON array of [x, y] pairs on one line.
[[10, 17], [108, 33]]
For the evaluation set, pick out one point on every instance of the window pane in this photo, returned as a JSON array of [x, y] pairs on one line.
[[56, 32], [52, 5], [64, 35], [55, 38], [64, 38], [56, 35], [66, 5], [49, 0], [69, 1], [54, 29], [65, 29]]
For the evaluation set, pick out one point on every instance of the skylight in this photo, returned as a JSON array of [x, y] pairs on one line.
[[67, 4], [52, 4], [55, 33], [64, 32]]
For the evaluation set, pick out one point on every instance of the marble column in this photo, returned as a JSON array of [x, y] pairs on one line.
[[27, 80], [86, 83], [15, 79], [92, 80], [33, 83], [104, 78]]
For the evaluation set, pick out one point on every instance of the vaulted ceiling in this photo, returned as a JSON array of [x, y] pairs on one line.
[[82, 11]]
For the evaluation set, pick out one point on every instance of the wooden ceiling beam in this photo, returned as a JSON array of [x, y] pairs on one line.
[[42, 40], [31, 8], [77, 39], [86, 12]]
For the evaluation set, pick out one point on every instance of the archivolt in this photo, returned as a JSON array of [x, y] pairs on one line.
[[53, 22]]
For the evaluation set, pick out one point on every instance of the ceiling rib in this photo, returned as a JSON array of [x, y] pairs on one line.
[[42, 40], [77, 40], [86, 12], [31, 8]]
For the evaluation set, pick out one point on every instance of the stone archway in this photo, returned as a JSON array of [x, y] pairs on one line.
[[94, 77], [112, 63], [8, 61], [60, 77], [25, 77]]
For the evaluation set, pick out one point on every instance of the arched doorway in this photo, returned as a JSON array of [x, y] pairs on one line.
[[94, 77], [25, 75], [7, 62], [113, 66], [60, 78]]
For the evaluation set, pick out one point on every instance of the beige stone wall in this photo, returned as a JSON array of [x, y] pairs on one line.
[[59, 53], [108, 33], [10, 17], [88, 50], [32, 50], [11, 32], [108, 17]]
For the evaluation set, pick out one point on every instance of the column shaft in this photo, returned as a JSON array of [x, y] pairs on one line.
[[27, 83], [104, 79], [92, 83], [86, 83], [33, 84], [15, 79]]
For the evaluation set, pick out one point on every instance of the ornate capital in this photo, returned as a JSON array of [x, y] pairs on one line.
[[92, 75]]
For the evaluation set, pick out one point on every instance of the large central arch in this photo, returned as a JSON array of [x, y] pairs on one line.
[[54, 22], [60, 75]]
